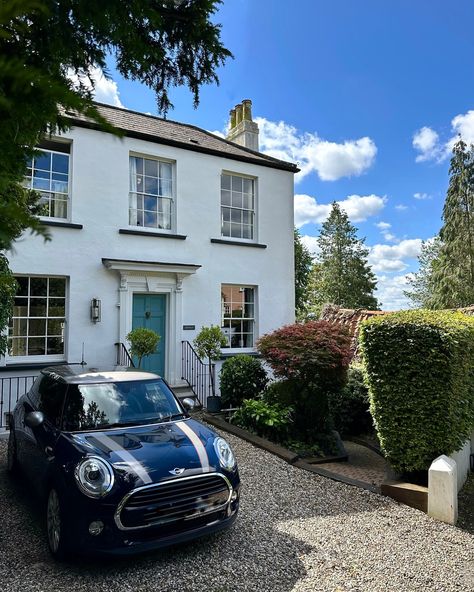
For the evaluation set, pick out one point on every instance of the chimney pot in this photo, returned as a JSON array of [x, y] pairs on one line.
[[238, 113], [232, 118], [247, 109]]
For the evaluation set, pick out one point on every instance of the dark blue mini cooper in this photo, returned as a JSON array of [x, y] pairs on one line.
[[121, 464]]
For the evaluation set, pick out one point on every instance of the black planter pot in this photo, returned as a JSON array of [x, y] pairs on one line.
[[213, 404]]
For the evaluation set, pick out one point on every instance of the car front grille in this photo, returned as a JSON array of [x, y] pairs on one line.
[[175, 500]]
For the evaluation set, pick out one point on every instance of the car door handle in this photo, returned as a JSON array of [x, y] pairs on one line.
[[49, 451]]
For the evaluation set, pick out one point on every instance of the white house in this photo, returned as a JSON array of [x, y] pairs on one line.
[[168, 227]]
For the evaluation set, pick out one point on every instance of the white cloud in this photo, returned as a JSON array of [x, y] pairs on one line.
[[390, 292], [384, 229], [429, 146], [389, 258], [401, 207], [422, 196], [383, 225], [357, 207], [426, 142], [311, 243], [105, 90], [330, 160]]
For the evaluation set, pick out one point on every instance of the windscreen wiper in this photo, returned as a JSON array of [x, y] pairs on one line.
[[172, 416]]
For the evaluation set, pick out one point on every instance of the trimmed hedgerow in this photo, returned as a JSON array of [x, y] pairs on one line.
[[241, 377], [420, 372]]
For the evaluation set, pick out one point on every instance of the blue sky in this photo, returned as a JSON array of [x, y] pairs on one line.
[[366, 95]]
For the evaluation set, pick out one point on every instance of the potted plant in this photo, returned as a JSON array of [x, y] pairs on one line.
[[143, 342], [208, 345]]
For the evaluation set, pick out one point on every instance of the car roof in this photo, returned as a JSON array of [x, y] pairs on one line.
[[80, 374]]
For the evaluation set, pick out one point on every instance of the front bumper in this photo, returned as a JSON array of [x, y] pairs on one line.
[[113, 541]]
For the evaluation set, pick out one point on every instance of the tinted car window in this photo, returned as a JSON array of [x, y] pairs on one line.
[[51, 398], [95, 406]]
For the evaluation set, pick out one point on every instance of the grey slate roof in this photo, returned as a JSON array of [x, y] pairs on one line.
[[182, 135]]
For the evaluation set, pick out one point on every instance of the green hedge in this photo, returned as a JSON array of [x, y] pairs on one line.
[[420, 372], [241, 377]]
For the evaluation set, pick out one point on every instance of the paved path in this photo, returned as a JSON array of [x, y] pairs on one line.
[[363, 465], [296, 532]]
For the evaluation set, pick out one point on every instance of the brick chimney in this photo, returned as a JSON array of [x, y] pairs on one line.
[[242, 130]]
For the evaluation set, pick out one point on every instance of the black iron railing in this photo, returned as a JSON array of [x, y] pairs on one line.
[[123, 356], [196, 373], [11, 389]]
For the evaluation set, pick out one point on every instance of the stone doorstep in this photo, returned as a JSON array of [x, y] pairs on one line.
[[284, 454]]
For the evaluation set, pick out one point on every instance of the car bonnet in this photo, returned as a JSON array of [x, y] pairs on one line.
[[148, 454]]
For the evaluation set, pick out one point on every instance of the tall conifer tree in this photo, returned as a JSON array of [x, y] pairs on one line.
[[341, 274], [453, 280]]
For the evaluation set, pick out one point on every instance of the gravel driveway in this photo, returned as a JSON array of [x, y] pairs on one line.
[[296, 531]]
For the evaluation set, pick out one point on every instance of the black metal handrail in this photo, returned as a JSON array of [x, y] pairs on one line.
[[196, 373], [123, 356], [11, 389]]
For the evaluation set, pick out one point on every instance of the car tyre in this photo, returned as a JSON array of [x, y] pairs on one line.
[[56, 526], [12, 459]]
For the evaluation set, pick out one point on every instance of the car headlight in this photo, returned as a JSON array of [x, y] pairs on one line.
[[94, 476], [224, 454]]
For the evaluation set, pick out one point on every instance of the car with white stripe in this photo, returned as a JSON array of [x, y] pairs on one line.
[[121, 465]]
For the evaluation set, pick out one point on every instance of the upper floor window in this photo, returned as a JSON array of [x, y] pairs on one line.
[[48, 173], [39, 316], [238, 315], [237, 206], [151, 193]]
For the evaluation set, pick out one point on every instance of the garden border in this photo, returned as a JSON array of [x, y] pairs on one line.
[[286, 455]]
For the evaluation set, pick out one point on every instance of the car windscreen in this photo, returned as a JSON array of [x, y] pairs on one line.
[[102, 405]]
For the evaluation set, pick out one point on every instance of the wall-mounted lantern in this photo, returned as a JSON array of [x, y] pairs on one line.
[[95, 310]]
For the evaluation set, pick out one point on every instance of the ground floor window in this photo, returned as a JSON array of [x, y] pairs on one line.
[[39, 317], [238, 315]]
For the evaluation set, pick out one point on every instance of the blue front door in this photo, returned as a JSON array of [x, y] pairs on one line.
[[149, 311]]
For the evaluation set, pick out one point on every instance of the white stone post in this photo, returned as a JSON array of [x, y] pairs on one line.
[[443, 490]]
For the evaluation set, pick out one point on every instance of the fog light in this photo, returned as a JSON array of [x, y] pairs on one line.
[[96, 527], [234, 496]]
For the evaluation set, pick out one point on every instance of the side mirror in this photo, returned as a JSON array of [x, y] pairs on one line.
[[34, 419], [188, 403]]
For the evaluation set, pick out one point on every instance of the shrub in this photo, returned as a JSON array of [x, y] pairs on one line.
[[420, 371], [313, 357], [266, 420], [143, 342], [350, 406], [242, 377], [280, 392], [208, 343]]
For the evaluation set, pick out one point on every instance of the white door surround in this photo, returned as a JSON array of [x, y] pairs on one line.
[[147, 277]]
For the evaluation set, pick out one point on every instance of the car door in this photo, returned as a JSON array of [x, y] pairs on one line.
[[39, 442]]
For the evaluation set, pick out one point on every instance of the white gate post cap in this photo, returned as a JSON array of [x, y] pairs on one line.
[[443, 464]]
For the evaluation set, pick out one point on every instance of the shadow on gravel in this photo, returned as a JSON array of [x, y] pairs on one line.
[[466, 506]]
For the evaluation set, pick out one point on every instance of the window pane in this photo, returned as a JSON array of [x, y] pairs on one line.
[[165, 188], [57, 307], [38, 286], [22, 289], [150, 204], [38, 307], [237, 184], [37, 346], [59, 186], [166, 171], [43, 161], [226, 229], [36, 327], [247, 201], [247, 232], [151, 168], [55, 345], [237, 200], [57, 287], [236, 216], [225, 198], [17, 327], [41, 184], [55, 327], [226, 214], [247, 185], [225, 182], [151, 185], [61, 163], [235, 231], [20, 307], [17, 346], [150, 219]]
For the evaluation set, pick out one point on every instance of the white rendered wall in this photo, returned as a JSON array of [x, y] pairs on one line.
[[99, 201]]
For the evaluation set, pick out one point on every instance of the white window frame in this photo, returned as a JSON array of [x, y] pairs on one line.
[[67, 218], [13, 360], [254, 180], [173, 217], [234, 349]]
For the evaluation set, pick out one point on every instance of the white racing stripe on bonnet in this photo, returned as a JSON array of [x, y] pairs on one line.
[[128, 458], [196, 442]]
